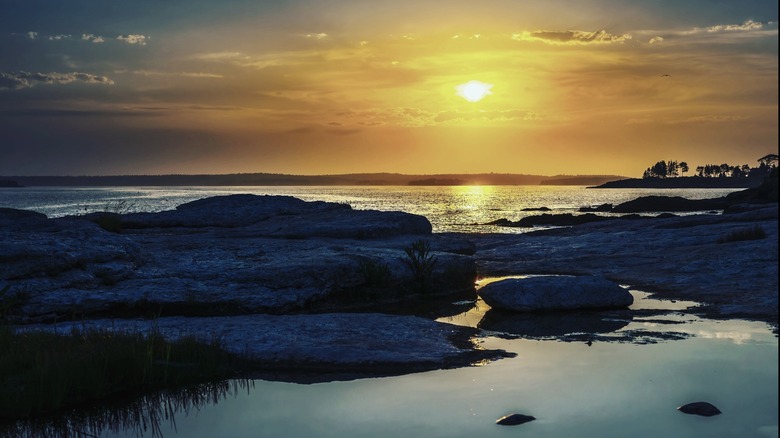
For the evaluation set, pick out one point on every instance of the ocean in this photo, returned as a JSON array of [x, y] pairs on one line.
[[448, 208]]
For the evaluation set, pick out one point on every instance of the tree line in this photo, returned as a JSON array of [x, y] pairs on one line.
[[671, 169]]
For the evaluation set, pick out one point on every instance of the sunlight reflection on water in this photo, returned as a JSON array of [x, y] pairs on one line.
[[449, 208]]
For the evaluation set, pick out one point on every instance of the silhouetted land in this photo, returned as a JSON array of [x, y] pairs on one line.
[[268, 179], [9, 183], [684, 182]]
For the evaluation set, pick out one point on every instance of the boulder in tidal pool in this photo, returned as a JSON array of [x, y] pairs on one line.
[[555, 292], [514, 419], [699, 408]]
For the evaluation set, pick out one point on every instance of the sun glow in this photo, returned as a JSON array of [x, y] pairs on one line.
[[473, 91]]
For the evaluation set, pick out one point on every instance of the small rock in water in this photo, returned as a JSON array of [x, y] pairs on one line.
[[700, 408], [514, 419]]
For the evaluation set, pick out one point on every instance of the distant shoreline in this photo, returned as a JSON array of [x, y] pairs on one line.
[[265, 179], [686, 182]]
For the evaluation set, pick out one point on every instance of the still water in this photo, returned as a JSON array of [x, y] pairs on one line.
[[627, 383], [449, 208]]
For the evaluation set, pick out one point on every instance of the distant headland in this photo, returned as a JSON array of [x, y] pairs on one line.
[[270, 179], [667, 175], [9, 183]]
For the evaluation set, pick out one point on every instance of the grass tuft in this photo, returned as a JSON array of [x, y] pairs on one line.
[[43, 372], [422, 263]]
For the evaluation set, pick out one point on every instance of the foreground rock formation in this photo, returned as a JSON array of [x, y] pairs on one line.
[[685, 257], [727, 260], [231, 254], [244, 257], [356, 344]]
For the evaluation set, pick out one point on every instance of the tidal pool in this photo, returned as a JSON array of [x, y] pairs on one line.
[[627, 382]]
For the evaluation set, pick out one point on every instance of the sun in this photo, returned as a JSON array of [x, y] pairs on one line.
[[473, 91]]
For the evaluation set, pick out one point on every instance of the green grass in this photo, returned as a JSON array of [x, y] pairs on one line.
[[43, 372], [753, 233]]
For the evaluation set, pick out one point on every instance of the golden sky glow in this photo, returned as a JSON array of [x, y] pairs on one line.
[[298, 87]]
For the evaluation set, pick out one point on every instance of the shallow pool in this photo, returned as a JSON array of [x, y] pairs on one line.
[[619, 384]]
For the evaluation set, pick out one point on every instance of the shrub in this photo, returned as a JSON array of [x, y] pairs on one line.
[[753, 233]]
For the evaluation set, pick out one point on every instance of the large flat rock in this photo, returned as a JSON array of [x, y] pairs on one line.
[[222, 255], [359, 343]]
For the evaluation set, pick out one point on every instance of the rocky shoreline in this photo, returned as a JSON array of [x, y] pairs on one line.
[[309, 286]]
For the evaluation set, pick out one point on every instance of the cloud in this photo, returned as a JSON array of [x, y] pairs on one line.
[[93, 38], [185, 74], [695, 119], [58, 37], [317, 36], [656, 40], [10, 81], [140, 40], [571, 37], [416, 118], [400, 116], [491, 116], [32, 35], [747, 25]]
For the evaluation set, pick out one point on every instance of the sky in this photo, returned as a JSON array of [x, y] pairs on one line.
[[335, 86]]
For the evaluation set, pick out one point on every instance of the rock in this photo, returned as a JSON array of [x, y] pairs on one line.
[[357, 343], [535, 209], [280, 216], [699, 408], [228, 211], [552, 292], [559, 220], [669, 203], [230, 254], [11, 214], [597, 208], [676, 257], [514, 419], [765, 192]]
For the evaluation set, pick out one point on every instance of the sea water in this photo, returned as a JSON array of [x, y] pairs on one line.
[[448, 208]]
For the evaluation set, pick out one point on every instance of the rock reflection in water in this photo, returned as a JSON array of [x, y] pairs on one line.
[[139, 416], [551, 325]]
